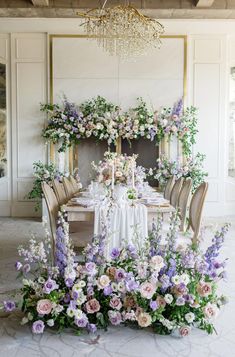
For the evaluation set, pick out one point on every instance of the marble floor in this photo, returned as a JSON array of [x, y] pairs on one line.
[[17, 340]]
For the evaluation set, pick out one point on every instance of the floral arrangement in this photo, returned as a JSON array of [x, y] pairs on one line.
[[42, 173], [192, 167], [168, 287], [103, 120], [115, 169]]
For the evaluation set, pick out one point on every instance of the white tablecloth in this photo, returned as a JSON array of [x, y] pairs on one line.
[[127, 225]]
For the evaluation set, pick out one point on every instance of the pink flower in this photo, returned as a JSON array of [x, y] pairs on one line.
[[115, 303], [161, 301], [44, 307], [204, 289], [144, 319], [184, 331], [92, 306], [210, 310], [147, 290], [114, 317]]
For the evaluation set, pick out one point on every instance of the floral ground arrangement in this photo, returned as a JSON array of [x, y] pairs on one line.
[[169, 287]]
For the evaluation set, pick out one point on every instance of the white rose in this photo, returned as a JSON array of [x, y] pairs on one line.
[[103, 281], [168, 298], [50, 322], [157, 262], [184, 278], [190, 317]]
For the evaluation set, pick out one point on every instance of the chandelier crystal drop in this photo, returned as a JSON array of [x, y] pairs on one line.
[[123, 31]]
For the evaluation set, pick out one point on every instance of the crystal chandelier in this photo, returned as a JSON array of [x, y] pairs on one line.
[[122, 30]]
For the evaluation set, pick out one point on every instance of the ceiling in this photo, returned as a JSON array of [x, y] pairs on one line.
[[175, 9]]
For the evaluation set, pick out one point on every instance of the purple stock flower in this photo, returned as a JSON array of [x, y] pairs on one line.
[[9, 306], [115, 253], [49, 286], [38, 326], [153, 305]]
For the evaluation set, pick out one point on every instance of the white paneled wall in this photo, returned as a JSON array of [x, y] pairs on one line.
[[28, 84], [25, 54], [208, 80], [5, 182]]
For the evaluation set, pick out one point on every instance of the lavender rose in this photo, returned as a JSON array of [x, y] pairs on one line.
[[38, 327]]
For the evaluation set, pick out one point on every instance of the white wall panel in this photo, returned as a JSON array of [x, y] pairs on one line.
[[30, 84], [28, 91]]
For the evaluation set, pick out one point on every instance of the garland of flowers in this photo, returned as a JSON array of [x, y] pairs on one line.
[[192, 167], [42, 173], [98, 118], [162, 286]]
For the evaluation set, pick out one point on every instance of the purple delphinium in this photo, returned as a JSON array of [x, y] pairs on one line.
[[178, 108], [38, 327], [9, 306]]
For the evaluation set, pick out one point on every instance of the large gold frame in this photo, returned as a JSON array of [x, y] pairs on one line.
[[165, 143]]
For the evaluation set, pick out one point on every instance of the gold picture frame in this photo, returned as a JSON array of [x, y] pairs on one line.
[[165, 144]]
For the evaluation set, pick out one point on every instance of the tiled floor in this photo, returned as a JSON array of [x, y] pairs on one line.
[[17, 340]]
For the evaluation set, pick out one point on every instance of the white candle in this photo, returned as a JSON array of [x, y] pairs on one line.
[[133, 173], [113, 169]]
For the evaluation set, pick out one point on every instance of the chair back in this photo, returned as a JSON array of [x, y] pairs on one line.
[[175, 192], [68, 187], [196, 208], [53, 208], [74, 183], [183, 201], [58, 188], [168, 188]]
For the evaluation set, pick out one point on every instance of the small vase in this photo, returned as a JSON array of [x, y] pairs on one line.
[[119, 193]]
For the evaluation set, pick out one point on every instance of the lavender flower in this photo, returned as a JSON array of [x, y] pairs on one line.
[[26, 268], [9, 306], [82, 322], [154, 305], [91, 328], [38, 327], [115, 253], [108, 290]]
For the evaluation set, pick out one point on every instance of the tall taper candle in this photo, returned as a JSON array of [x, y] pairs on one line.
[[113, 169], [133, 174]]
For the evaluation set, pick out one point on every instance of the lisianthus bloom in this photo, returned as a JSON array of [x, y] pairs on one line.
[[157, 262], [184, 331], [189, 317], [44, 307], [92, 306], [103, 281], [161, 301], [114, 317], [147, 290], [49, 286], [115, 303], [38, 327], [204, 289], [144, 319], [9, 306], [168, 298], [210, 311]]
